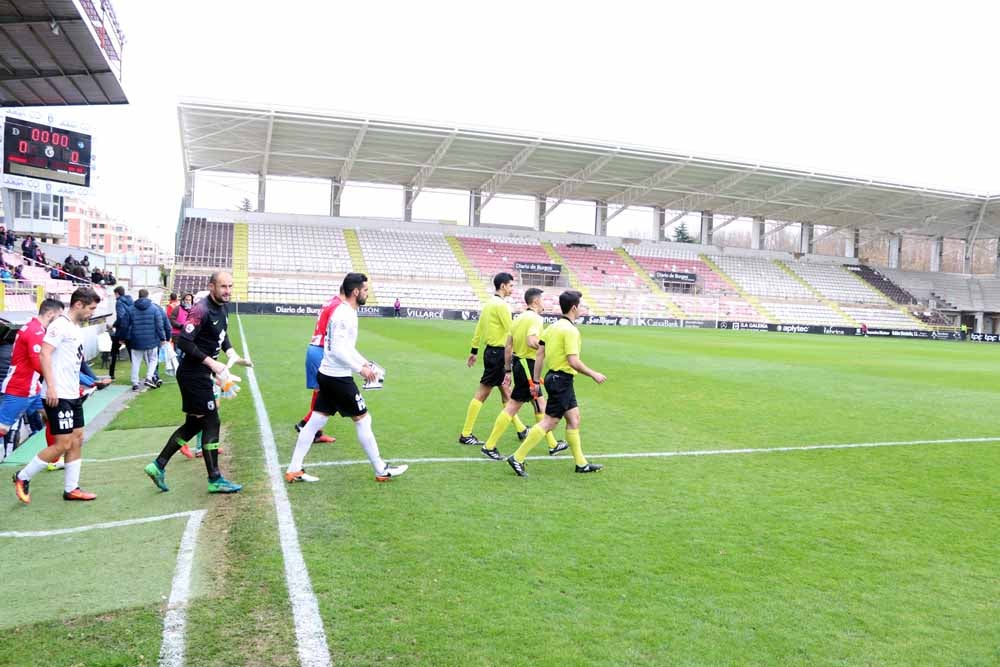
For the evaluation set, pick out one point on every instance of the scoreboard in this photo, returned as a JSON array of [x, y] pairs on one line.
[[40, 155]]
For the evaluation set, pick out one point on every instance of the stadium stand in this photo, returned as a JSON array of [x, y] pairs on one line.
[[392, 253], [805, 313], [293, 249], [762, 277], [205, 243], [190, 282], [882, 317], [598, 267], [670, 257], [491, 255], [882, 283], [292, 262], [835, 283]]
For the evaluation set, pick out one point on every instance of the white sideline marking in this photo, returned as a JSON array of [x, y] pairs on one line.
[[97, 526], [312, 647], [175, 621], [121, 458], [660, 455]]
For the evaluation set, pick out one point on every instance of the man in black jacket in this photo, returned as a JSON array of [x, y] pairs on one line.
[[120, 332]]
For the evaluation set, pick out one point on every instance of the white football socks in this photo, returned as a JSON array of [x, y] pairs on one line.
[[367, 440], [33, 468], [304, 442], [71, 475]]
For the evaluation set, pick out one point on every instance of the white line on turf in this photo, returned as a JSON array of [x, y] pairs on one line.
[[97, 526], [175, 621], [659, 455], [121, 458], [312, 647]]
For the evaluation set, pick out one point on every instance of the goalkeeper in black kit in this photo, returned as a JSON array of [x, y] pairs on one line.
[[204, 335]]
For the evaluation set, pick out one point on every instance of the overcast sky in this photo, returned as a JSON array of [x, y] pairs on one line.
[[900, 91]]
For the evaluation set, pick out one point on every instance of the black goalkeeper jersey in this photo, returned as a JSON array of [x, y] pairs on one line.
[[204, 333]]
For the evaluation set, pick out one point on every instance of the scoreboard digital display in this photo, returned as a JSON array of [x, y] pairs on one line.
[[46, 152]]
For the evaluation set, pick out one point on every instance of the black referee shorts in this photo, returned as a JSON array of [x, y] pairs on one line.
[[339, 394], [492, 367], [562, 397], [197, 389], [522, 387]]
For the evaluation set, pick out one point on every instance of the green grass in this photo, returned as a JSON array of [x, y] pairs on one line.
[[884, 556]]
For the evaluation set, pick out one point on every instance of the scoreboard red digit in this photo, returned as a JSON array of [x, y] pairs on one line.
[[34, 150]]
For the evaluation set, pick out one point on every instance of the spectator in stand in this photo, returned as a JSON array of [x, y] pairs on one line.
[[39, 256], [9, 241], [109, 278], [122, 326], [56, 272], [85, 262], [80, 273], [26, 250], [395, 306], [19, 273], [146, 333], [6, 276], [97, 277]]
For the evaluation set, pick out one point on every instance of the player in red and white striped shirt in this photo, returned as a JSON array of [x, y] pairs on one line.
[[314, 356], [21, 388]]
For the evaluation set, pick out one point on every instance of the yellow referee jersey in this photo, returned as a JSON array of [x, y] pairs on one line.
[[494, 324], [528, 323], [561, 339]]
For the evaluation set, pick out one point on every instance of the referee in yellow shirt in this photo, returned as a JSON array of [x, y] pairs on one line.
[[492, 329], [523, 341], [560, 347]]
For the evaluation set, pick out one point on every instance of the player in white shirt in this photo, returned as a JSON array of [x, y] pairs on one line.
[[337, 390], [61, 355]]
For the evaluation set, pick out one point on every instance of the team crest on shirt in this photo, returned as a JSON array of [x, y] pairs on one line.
[[211, 405], [36, 348], [189, 327]]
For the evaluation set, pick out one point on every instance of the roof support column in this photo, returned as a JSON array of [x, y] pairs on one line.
[[336, 190], [600, 218], [937, 252], [895, 247], [707, 223], [261, 191], [188, 192], [475, 199], [659, 223], [967, 263], [806, 231], [541, 204], [408, 204], [757, 233], [980, 319], [996, 271], [853, 245]]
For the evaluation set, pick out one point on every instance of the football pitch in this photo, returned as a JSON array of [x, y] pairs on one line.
[[766, 499]]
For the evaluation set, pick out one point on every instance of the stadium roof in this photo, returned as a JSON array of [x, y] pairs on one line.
[[60, 52], [241, 138]]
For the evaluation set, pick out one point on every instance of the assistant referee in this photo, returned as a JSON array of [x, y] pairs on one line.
[[492, 329], [559, 346]]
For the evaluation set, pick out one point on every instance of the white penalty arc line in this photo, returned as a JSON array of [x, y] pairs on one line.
[[660, 455], [313, 649], [113, 459]]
